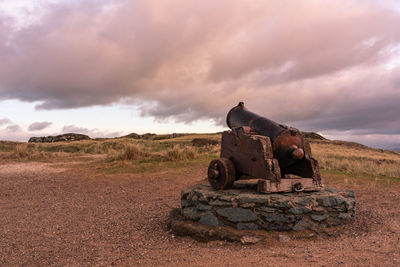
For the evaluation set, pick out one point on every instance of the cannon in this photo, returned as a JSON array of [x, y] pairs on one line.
[[259, 148]]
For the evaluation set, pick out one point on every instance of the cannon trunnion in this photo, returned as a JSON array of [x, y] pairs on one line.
[[257, 147]]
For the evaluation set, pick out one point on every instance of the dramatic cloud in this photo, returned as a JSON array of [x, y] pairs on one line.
[[319, 65], [38, 126]]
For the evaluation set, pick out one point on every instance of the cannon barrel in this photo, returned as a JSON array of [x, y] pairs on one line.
[[288, 143]]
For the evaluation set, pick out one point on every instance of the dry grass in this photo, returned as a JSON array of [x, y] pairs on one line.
[[188, 138], [123, 149], [153, 154], [356, 160], [159, 152], [21, 151], [133, 152]]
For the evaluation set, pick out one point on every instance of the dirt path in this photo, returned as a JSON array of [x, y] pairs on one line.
[[74, 217]]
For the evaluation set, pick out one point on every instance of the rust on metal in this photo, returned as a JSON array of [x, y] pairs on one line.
[[257, 147], [288, 147], [221, 173]]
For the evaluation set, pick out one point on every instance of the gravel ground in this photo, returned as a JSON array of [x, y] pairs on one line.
[[52, 215]]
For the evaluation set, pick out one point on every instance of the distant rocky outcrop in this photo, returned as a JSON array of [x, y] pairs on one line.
[[199, 142], [59, 138], [139, 136]]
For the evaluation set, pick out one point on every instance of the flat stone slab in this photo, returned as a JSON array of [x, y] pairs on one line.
[[245, 209]]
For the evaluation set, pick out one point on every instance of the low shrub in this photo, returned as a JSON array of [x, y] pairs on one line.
[[180, 153], [21, 151], [133, 152]]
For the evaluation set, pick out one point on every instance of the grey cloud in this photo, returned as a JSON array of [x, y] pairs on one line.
[[314, 64], [369, 105], [37, 126], [13, 128]]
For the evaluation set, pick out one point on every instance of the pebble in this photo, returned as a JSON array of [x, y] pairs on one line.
[[283, 238]]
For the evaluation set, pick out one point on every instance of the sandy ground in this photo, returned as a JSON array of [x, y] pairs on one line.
[[73, 216]]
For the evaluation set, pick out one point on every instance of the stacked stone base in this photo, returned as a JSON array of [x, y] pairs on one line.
[[245, 209]]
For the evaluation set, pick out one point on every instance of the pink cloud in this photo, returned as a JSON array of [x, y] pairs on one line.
[[317, 64]]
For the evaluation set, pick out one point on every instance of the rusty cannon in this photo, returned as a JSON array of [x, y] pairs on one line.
[[259, 148]]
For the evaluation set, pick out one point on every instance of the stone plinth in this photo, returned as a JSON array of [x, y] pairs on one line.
[[245, 209]]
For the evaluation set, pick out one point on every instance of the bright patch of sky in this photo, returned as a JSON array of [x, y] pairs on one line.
[[395, 61], [22, 11], [119, 119]]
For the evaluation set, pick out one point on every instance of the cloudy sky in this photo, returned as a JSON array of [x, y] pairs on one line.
[[108, 68]]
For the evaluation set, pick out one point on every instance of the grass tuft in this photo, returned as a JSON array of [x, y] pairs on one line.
[[178, 153], [21, 151], [133, 152]]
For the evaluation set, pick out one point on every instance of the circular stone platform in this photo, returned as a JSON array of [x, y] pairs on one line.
[[245, 209]]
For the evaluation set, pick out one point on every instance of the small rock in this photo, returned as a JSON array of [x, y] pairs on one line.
[[252, 198], [202, 207], [280, 203], [319, 218], [349, 204], [283, 238], [299, 210], [279, 218], [209, 219], [247, 239], [329, 201], [266, 209], [191, 213], [248, 205], [219, 203], [228, 198], [247, 226], [237, 214], [319, 210], [302, 225], [344, 216], [306, 201]]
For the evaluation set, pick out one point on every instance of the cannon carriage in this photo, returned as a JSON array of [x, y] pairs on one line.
[[258, 148]]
